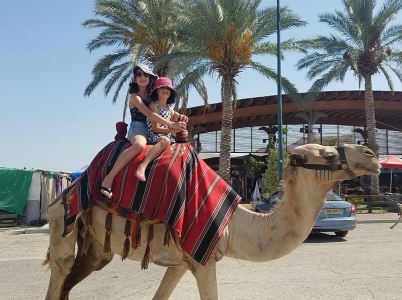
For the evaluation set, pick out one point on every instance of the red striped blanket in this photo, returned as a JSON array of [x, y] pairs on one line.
[[181, 190]]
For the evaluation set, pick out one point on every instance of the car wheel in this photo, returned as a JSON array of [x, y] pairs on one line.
[[341, 233]]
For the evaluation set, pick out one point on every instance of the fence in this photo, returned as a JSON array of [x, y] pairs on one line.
[[370, 203]]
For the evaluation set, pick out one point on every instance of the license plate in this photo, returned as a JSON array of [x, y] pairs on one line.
[[334, 211]]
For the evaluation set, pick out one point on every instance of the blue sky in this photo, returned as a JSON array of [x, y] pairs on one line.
[[45, 120]]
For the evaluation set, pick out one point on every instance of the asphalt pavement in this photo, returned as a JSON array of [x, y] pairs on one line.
[[366, 264]]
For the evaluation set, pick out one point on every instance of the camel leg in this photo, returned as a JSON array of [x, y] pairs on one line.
[[61, 251], [169, 282], [206, 280], [84, 265]]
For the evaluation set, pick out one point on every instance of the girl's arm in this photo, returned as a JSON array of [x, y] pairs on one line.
[[156, 126], [136, 101]]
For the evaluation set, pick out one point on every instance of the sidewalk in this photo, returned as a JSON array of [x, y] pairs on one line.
[[25, 229], [377, 218]]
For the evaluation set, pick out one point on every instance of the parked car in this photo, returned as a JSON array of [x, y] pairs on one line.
[[268, 203], [337, 215]]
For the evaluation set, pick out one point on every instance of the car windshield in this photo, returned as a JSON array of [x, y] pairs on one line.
[[331, 196]]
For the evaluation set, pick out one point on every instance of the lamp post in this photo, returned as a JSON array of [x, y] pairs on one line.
[[279, 84]]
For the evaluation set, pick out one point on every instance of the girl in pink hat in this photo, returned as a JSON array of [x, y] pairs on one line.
[[138, 131], [159, 134]]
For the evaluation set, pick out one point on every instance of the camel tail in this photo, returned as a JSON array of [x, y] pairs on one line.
[[47, 259]]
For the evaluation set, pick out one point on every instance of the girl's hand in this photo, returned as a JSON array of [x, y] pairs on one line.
[[179, 126], [183, 118]]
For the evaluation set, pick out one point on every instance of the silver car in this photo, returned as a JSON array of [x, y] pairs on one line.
[[337, 215]]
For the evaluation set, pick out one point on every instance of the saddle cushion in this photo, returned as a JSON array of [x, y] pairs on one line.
[[181, 191]]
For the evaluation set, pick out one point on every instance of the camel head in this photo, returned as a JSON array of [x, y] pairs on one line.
[[331, 163]]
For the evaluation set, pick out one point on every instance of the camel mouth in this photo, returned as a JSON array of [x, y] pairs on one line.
[[370, 170]]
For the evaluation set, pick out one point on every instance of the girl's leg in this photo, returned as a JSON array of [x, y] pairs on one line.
[[153, 153], [138, 144]]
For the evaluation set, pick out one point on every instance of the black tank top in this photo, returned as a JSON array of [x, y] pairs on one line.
[[135, 113]]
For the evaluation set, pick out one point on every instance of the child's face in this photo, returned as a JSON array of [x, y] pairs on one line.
[[164, 93]]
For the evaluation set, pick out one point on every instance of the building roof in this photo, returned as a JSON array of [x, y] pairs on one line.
[[340, 107]]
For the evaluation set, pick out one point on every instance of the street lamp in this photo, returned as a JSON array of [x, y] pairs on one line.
[[279, 83]]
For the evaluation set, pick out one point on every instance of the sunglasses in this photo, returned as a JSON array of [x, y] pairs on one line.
[[141, 74]]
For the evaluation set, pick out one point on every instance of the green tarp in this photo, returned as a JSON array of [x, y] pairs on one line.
[[14, 189]]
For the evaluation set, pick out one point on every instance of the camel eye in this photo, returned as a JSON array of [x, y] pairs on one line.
[[330, 157], [368, 152]]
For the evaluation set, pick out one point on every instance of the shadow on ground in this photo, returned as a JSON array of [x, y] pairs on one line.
[[319, 237]]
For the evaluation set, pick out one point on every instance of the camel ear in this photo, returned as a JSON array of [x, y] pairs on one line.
[[296, 158]]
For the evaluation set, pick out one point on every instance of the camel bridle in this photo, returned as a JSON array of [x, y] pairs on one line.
[[342, 164]]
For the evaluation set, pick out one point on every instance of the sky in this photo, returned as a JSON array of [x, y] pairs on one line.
[[45, 121]]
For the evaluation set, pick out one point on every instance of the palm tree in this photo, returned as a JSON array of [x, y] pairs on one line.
[[364, 43], [222, 37], [140, 31]]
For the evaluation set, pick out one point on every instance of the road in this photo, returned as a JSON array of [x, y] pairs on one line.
[[367, 264]]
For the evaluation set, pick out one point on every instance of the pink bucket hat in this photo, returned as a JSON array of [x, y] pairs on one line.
[[164, 82]]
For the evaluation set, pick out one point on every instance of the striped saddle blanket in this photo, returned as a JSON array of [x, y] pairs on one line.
[[181, 191]]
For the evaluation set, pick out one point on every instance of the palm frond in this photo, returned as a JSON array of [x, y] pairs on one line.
[[396, 71], [310, 60], [343, 24], [336, 73], [387, 77], [271, 49], [388, 11], [116, 75], [391, 35], [287, 86], [123, 81], [103, 68]]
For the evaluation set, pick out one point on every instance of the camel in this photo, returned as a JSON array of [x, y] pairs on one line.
[[312, 171]]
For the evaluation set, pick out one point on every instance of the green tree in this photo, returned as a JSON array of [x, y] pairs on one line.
[[271, 177], [221, 37], [364, 42], [138, 31]]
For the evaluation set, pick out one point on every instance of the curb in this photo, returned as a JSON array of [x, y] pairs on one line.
[[27, 231], [375, 221]]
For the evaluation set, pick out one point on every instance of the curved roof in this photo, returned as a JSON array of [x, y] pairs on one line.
[[340, 107]]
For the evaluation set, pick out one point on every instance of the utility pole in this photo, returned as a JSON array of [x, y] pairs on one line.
[[279, 84]]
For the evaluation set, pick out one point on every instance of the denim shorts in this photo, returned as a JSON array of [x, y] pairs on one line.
[[137, 128]]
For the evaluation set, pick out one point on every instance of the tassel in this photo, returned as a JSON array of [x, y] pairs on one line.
[[166, 239], [87, 220], [135, 233], [126, 247], [138, 235], [85, 243], [108, 228], [145, 259]]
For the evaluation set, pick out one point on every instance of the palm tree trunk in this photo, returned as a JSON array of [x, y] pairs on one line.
[[125, 107], [226, 130], [369, 109]]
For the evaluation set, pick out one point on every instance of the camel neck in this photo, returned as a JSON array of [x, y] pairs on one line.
[[264, 237]]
